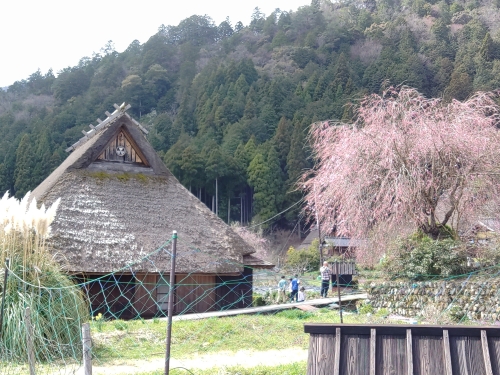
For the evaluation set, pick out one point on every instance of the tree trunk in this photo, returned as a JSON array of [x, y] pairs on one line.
[[217, 196], [251, 204], [241, 209], [320, 249], [228, 209]]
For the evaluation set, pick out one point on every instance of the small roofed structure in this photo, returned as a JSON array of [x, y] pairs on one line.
[[335, 246], [120, 203], [331, 245]]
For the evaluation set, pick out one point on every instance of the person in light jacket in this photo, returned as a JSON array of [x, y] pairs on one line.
[[281, 290], [301, 296], [326, 274]]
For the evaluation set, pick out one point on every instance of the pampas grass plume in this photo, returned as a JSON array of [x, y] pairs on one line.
[[23, 226]]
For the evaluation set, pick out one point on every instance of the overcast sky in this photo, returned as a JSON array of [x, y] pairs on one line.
[[44, 34]]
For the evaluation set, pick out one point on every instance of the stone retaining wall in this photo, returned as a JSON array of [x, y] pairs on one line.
[[476, 299]]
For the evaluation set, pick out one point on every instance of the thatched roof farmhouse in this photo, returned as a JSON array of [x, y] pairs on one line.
[[119, 203]]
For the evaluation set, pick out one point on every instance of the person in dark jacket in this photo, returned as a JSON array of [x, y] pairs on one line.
[[295, 288]]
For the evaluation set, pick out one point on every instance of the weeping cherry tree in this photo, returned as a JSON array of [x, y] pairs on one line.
[[407, 163]]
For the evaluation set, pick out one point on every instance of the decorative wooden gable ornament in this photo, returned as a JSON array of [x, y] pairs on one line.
[[122, 149]]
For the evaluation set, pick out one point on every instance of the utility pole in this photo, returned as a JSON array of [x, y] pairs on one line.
[[319, 238], [320, 248], [171, 301], [337, 265]]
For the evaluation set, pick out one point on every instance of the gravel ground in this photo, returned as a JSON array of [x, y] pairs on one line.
[[244, 358]]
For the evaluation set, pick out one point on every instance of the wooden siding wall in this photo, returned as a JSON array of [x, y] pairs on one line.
[[145, 294], [122, 140], [128, 297], [195, 294], [111, 295], [235, 292], [344, 280], [402, 350]]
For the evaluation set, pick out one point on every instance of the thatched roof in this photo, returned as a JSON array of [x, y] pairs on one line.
[[114, 212], [253, 261]]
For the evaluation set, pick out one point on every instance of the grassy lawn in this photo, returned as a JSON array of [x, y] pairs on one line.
[[119, 340], [125, 342]]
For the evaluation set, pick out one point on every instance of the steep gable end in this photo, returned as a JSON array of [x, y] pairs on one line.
[[122, 149], [100, 149]]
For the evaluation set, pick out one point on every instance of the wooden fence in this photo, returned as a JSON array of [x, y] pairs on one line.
[[336, 349], [345, 267]]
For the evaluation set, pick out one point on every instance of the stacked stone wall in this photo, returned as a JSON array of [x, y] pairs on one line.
[[476, 299]]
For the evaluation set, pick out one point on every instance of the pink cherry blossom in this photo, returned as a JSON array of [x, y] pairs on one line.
[[407, 163]]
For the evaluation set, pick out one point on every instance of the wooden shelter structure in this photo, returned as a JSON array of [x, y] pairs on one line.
[[335, 246], [119, 205], [402, 350]]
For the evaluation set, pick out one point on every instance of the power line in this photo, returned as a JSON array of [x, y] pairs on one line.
[[282, 212]]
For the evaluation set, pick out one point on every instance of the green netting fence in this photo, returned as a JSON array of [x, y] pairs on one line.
[[127, 312]]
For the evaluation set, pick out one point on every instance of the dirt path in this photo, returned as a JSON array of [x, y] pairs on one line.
[[245, 358]]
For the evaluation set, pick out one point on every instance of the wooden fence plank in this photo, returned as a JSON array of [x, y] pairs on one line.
[[446, 353], [355, 354], [409, 352], [486, 353], [373, 348], [321, 358], [336, 368], [428, 355], [391, 355], [29, 340], [403, 350], [87, 349]]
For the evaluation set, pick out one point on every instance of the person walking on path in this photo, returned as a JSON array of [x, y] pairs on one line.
[[295, 288], [326, 274], [281, 290]]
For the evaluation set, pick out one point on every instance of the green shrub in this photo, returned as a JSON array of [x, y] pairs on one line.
[[365, 308], [300, 261], [457, 314], [294, 314], [382, 313], [258, 300], [420, 257], [120, 325]]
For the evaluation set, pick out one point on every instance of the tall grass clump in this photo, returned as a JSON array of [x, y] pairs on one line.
[[36, 280]]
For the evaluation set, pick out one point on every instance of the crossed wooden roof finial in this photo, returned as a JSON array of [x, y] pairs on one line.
[[111, 117]]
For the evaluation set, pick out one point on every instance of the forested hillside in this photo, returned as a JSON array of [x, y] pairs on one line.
[[230, 105]]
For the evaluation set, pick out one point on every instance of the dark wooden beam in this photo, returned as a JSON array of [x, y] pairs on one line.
[[400, 329]]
